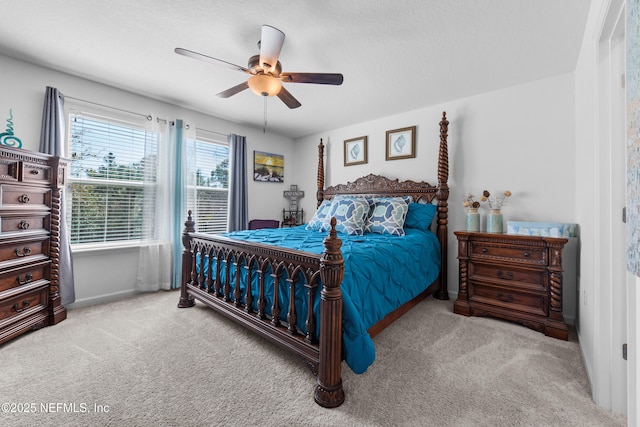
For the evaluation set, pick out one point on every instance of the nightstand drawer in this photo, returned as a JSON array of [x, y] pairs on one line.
[[526, 279], [24, 303], [509, 298], [511, 253]]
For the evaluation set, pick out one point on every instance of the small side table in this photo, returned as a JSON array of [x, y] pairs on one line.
[[513, 277]]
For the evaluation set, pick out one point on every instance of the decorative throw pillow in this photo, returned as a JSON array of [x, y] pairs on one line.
[[388, 217], [319, 217], [420, 216], [368, 199], [350, 214]]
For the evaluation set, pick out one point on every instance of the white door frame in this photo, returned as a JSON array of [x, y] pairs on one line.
[[609, 382]]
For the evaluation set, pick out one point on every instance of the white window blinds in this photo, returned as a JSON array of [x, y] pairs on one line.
[[107, 178], [211, 180]]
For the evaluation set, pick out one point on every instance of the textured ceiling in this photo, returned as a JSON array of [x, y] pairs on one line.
[[396, 56]]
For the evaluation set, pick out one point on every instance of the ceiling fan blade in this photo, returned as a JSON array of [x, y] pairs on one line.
[[233, 90], [271, 42], [206, 58], [317, 78], [288, 99]]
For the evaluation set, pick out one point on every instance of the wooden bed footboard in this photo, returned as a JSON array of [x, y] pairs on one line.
[[217, 285]]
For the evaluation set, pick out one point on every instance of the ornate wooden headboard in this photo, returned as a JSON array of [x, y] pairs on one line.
[[377, 185]]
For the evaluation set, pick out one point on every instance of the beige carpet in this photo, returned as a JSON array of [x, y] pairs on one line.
[[144, 362]]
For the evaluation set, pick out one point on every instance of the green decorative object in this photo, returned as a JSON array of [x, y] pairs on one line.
[[8, 138], [494, 221], [472, 222]]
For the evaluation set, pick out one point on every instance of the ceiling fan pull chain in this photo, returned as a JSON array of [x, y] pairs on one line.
[[264, 129]]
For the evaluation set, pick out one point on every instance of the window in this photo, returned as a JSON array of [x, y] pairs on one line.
[[107, 178], [211, 163]]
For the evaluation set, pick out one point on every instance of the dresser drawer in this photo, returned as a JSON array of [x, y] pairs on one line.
[[533, 279], [511, 253], [22, 251], [24, 222], [24, 304], [16, 197], [9, 170], [36, 173], [16, 277]]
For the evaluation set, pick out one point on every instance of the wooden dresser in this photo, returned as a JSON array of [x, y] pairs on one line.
[[513, 277], [30, 186]]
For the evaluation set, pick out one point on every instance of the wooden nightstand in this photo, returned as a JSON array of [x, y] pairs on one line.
[[513, 277]]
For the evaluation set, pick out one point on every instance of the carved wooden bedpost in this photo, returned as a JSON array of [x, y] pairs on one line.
[[443, 209], [320, 192], [329, 392], [186, 300]]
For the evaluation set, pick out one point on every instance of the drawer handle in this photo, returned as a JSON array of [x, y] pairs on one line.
[[503, 298], [35, 172], [508, 276], [25, 304], [23, 225], [26, 251], [28, 278], [485, 250], [24, 198], [526, 254]]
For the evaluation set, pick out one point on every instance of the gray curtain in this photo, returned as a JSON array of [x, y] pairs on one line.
[[52, 142], [238, 199]]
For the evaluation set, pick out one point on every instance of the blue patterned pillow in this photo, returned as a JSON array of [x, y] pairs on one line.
[[350, 214], [368, 199], [388, 217], [420, 216], [320, 216]]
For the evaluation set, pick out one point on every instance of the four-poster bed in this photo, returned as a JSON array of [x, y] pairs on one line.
[[299, 298]]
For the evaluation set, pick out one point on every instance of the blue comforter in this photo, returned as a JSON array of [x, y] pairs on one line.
[[381, 273]]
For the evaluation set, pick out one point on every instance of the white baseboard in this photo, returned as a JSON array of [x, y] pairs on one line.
[[86, 302]]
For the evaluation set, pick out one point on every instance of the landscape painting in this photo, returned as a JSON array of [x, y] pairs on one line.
[[268, 167]]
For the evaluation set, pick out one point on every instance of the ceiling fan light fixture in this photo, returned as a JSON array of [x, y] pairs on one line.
[[264, 85]]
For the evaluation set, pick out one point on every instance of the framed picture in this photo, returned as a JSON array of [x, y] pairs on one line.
[[355, 151], [268, 167], [401, 143]]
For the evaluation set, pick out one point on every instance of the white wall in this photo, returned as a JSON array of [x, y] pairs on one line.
[[520, 138], [23, 88], [586, 160]]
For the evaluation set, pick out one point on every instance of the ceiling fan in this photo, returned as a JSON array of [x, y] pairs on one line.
[[266, 71]]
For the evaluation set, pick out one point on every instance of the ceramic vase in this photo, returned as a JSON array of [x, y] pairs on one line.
[[494, 221], [473, 220]]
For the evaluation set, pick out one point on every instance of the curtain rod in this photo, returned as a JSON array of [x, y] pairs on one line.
[[211, 131], [188, 126], [147, 116]]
